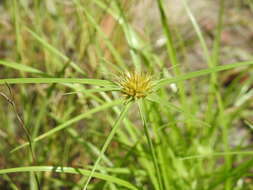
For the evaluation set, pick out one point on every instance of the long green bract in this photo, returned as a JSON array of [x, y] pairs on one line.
[[199, 73], [70, 170], [98, 82]]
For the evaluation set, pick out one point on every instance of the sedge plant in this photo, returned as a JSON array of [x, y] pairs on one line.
[[192, 129]]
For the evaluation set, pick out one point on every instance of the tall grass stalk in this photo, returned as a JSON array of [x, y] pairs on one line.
[[107, 142]]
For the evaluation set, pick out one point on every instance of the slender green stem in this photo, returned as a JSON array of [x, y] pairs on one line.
[[214, 85], [107, 142], [150, 144], [171, 50]]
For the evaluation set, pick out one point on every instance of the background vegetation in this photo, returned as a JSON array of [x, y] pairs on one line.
[[193, 132]]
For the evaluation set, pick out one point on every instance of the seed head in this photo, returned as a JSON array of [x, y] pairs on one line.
[[135, 85]]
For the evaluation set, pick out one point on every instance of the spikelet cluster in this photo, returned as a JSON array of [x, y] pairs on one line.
[[135, 85]]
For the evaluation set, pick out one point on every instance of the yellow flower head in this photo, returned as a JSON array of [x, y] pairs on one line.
[[135, 85]]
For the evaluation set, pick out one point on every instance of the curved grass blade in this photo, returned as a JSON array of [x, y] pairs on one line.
[[70, 122], [107, 142], [98, 82], [199, 73], [69, 170], [20, 67]]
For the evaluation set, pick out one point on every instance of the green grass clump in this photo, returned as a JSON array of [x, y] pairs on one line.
[[69, 122]]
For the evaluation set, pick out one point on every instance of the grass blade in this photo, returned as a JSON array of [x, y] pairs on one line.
[[239, 153], [167, 31], [20, 67], [107, 142], [55, 51], [98, 82], [69, 170], [199, 73], [198, 31]]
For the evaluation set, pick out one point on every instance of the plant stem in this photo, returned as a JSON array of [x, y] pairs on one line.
[[150, 144], [107, 142]]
